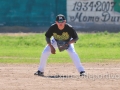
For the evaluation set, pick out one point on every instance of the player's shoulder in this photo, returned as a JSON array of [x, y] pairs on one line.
[[53, 25], [69, 25]]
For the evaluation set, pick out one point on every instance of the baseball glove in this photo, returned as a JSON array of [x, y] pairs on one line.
[[62, 45]]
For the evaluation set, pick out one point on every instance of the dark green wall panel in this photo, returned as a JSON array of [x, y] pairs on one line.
[[30, 12], [61, 6], [117, 5]]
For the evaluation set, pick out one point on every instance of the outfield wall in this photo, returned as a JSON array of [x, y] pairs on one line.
[[38, 15], [31, 13], [94, 15]]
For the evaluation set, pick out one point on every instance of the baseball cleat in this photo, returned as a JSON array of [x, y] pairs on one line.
[[82, 73], [39, 73]]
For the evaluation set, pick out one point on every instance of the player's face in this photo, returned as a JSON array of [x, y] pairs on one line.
[[61, 25]]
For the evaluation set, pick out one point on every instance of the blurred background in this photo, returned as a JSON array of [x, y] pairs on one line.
[[38, 15]]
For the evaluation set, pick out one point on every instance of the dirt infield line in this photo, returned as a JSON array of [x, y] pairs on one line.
[[60, 77]]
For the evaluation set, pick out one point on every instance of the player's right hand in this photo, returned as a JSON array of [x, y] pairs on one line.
[[53, 50]]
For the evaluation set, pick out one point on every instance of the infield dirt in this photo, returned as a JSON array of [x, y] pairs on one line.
[[100, 76]]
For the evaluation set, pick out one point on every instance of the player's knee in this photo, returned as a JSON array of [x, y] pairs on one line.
[[72, 52], [45, 52]]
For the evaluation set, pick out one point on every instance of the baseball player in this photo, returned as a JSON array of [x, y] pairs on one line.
[[60, 35]]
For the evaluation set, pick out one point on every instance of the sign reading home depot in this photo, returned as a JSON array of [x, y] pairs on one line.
[[97, 11]]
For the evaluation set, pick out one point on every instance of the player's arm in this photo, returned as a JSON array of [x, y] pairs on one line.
[[73, 40], [50, 45], [48, 35], [74, 36]]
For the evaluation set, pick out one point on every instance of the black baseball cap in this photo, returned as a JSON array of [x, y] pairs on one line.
[[60, 18]]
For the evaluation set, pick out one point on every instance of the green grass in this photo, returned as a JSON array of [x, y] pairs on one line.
[[91, 47]]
